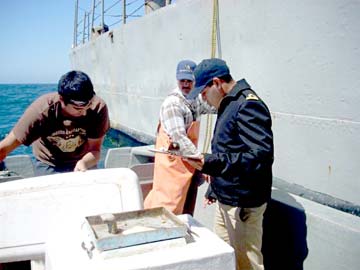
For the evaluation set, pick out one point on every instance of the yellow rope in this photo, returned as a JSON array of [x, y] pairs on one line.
[[207, 139], [214, 28]]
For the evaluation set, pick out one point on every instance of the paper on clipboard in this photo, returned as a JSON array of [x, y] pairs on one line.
[[196, 157], [167, 152]]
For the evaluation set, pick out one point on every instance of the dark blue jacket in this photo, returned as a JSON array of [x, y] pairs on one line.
[[242, 150]]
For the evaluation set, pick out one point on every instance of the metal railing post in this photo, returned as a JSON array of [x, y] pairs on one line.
[[124, 11], [75, 23], [102, 14], [88, 25], [93, 14], [84, 28]]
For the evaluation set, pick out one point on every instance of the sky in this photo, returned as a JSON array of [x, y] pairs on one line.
[[36, 39]]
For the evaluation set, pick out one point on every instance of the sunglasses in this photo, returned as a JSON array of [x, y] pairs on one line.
[[79, 103]]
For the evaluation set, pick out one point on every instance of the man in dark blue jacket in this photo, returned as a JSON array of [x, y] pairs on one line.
[[240, 164]]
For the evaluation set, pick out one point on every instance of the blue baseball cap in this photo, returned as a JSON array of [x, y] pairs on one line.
[[205, 72], [185, 70]]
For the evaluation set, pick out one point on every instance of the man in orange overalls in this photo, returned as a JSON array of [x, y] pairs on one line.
[[178, 123]]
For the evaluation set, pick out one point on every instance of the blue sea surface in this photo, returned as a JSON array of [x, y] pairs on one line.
[[15, 98]]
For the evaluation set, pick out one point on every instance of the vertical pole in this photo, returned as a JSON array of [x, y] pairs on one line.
[[124, 11], [102, 14], [88, 26], [75, 23], [93, 14], [84, 28]]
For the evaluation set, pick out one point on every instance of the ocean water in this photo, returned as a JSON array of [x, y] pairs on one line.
[[15, 98]]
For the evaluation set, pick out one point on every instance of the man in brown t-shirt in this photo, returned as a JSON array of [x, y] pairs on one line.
[[66, 129]]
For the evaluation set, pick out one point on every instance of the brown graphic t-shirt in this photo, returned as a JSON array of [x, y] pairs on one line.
[[56, 139]]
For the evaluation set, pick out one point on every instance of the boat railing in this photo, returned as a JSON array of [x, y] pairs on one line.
[[16, 167], [103, 15]]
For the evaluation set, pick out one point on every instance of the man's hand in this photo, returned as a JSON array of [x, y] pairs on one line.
[[208, 201], [8, 144], [80, 166], [90, 159], [196, 162], [207, 178]]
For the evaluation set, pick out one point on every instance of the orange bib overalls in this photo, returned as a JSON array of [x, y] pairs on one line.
[[172, 176]]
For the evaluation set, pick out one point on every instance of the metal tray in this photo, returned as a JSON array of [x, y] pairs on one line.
[[134, 228]]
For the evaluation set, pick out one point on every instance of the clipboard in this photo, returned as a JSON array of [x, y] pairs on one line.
[[174, 153], [166, 152]]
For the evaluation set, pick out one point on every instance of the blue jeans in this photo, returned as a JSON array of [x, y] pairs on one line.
[[42, 168]]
